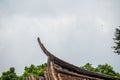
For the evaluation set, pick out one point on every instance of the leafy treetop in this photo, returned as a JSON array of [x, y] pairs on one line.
[[117, 40], [105, 69]]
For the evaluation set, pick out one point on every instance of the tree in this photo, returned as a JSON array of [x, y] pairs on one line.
[[9, 75], [88, 66], [105, 69], [33, 70], [117, 41]]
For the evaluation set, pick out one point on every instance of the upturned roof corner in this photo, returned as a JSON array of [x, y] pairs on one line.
[[58, 69]]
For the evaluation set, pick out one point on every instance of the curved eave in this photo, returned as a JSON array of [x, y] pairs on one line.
[[71, 67]]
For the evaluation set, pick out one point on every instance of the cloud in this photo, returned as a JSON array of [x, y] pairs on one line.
[[78, 32], [18, 37]]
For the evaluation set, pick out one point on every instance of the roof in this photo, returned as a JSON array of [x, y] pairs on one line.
[[58, 69]]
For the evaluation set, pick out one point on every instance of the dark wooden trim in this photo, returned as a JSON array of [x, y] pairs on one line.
[[72, 67]]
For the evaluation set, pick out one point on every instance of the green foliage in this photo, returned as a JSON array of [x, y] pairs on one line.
[[28, 71], [105, 69], [88, 66], [9, 75], [117, 40], [39, 71], [33, 70]]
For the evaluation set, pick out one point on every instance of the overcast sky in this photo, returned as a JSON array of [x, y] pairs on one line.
[[77, 31]]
